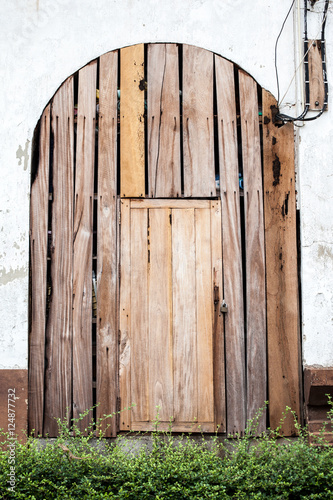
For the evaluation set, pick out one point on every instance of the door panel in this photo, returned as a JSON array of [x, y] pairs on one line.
[[172, 261], [139, 318], [160, 314], [184, 315]]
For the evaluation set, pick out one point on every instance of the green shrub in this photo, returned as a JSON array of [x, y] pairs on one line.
[[250, 467]]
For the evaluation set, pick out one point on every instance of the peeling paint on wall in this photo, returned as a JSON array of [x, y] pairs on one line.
[[20, 153], [16, 274]]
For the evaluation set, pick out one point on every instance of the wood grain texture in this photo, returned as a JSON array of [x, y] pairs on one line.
[[281, 269], [316, 77], [125, 316], [58, 374], [218, 317], [198, 122], [163, 121], [139, 315], [204, 318], [107, 266], [255, 251], [232, 247], [184, 316], [160, 315], [132, 141], [38, 255], [83, 233]]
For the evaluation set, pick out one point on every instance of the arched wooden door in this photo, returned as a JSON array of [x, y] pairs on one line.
[[147, 211]]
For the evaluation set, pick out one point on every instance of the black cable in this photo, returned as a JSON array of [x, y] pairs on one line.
[[288, 118], [276, 44], [301, 117]]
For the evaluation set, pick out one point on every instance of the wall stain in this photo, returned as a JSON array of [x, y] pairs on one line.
[[7, 277], [325, 252], [20, 153]]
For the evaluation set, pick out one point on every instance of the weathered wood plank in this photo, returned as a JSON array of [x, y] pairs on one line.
[[232, 247], [38, 253], [163, 121], [83, 233], [254, 249], [204, 320], [132, 142], [198, 122], [218, 319], [184, 316], [160, 315], [107, 316], [58, 375], [281, 269], [139, 315], [152, 203], [125, 317], [316, 77]]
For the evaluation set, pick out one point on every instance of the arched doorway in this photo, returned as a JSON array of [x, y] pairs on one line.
[[147, 214]]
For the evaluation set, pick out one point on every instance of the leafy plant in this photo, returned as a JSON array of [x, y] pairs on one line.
[[248, 467]]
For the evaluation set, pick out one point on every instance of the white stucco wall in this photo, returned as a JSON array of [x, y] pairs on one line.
[[42, 42]]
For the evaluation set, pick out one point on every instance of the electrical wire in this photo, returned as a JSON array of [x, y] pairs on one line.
[[276, 44], [302, 61], [302, 116], [300, 57]]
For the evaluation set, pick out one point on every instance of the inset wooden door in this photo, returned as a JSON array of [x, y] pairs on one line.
[[171, 361]]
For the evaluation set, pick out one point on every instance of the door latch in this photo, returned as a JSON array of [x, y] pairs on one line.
[[224, 307]]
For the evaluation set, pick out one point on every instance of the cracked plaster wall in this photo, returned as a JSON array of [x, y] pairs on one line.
[[42, 42], [315, 170]]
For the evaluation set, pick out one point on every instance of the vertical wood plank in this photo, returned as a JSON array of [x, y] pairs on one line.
[[184, 316], [163, 121], [38, 253], [255, 250], [132, 141], [125, 316], [160, 315], [83, 233], [107, 323], [281, 269], [139, 314], [232, 247], [204, 321], [198, 122], [58, 375], [316, 77], [218, 319]]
